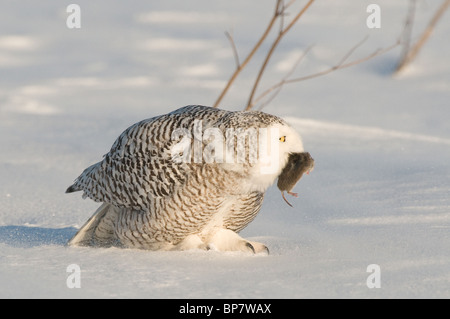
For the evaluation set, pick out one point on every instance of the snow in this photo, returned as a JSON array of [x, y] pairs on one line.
[[379, 193]]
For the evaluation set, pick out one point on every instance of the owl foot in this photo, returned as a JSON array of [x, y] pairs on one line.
[[191, 242], [228, 240], [258, 247]]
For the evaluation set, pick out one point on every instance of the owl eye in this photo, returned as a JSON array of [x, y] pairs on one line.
[[283, 139]]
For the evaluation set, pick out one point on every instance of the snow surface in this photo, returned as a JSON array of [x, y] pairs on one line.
[[380, 192]]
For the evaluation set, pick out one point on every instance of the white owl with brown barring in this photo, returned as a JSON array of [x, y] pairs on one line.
[[189, 179]]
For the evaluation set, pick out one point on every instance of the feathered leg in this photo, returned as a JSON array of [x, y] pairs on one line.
[[99, 229]]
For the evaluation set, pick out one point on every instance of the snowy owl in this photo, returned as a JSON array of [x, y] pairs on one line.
[[189, 179]]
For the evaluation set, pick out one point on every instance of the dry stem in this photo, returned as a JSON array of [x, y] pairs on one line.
[[410, 55], [338, 66], [272, 49], [252, 52], [233, 46]]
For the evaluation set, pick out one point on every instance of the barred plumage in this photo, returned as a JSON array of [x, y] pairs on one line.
[[154, 200]]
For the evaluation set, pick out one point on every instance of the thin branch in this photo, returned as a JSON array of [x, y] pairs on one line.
[[233, 46], [288, 4], [411, 55], [350, 52], [272, 49], [338, 66], [278, 88], [252, 52], [283, 13], [407, 32], [343, 66], [281, 16]]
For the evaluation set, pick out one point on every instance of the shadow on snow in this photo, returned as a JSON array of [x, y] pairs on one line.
[[29, 236]]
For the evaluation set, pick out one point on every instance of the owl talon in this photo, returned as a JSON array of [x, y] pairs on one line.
[[259, 248], [250, 246], [228, 240]]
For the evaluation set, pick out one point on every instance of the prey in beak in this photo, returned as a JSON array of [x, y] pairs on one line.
[[297, 165]]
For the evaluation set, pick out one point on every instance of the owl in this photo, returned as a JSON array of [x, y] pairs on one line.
[[189, 179]]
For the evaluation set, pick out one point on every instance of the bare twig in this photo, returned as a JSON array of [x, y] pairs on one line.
[[252, 52], [278, 88], [285, 6], [338, 66], [407, 32], [280, 12], [411, 54], [272, 49], [233, 46]]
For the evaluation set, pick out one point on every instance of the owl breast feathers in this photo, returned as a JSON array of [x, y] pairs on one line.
[[189, 179]]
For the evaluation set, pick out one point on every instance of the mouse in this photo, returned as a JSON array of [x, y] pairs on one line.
[[297, 165]]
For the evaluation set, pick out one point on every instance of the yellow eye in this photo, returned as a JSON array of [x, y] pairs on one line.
[[283, 139]]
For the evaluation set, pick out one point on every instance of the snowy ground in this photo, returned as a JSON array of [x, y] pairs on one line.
[[380, 192]]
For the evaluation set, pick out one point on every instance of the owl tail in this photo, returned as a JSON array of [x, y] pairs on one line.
[[99, 229]]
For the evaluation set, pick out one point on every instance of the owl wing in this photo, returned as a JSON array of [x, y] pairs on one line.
[[140, 166], [243, 211]]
